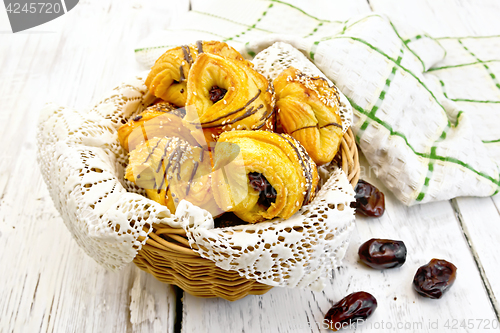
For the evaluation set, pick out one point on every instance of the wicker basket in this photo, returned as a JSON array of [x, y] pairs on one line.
[[168, 256]]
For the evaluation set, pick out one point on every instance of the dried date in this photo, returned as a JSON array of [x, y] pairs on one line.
[[435, 278], [351, 309], [370, 200], [382, 253]]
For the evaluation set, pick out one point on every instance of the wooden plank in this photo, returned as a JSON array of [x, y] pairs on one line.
[[429, 231], [492, 266], [48, 283], [56, 287], [480, 221]]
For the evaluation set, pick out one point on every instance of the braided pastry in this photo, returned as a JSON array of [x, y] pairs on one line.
[[308, 111], [261, 175], [170, 170], [223, 95], [167, 79]]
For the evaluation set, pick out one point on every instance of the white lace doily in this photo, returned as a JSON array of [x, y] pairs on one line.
[[280, 56], [82, 163], [297, 252]]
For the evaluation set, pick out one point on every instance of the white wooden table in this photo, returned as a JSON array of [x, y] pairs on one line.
[[48, 284]]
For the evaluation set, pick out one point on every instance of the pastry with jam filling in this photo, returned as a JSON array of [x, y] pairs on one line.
[[168, 77], [260, 175], [225, 95]]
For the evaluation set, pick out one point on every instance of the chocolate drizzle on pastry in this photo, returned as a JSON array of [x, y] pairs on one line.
[[230, 114], [174, 161], [187, 54], [177, 162], [181, 70], [248, 113], [176, 149], [195, 168], [331, 124], [265, 117], [316, 126], [165, 149], [298, 129], [175, 171], [199, 44], [306, 168], [189, 59], [151, 152], [193, 173]]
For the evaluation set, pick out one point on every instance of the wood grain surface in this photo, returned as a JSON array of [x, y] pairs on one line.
[[429, 231], [47, 284]]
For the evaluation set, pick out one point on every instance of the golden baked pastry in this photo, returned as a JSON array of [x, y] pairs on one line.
[[167, 79], [260, 175], [308, 111], [159, 120], [224, 95], [170, 169]]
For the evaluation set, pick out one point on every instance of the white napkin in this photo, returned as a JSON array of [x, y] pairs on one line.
[[426, 110]]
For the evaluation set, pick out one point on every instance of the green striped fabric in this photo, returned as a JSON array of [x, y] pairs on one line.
[[425, 110]]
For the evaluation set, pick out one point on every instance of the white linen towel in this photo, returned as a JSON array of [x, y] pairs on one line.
[[425, 110]]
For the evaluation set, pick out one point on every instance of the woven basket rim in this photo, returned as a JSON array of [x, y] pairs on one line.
[[180, 261]]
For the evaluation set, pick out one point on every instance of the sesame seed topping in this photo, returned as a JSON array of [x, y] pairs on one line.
[[328, 95]]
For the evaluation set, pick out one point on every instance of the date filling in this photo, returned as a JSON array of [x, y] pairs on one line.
[[267, 193], [216, 93]]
